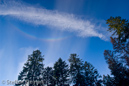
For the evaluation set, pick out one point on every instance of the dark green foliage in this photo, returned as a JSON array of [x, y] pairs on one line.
[[83, 74], [76, 70], [48, 76], [61, 73], [109, 81], [91, 75], [32, 69], [118, 69], [120, 37], [119, 27], [118, 59]]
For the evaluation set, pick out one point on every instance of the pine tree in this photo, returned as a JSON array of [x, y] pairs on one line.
[[32, 70], [91, 75], [48, 76], [119, 27], [109, 81], [118, 69], [61, 73], [118, 59], [76, 70]]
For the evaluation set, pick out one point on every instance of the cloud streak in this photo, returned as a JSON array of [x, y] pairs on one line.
[[54, 19]]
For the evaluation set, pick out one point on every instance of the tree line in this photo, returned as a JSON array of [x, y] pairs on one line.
[[83, 73], [61, 74]]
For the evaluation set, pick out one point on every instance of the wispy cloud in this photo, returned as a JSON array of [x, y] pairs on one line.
[[58, 20]]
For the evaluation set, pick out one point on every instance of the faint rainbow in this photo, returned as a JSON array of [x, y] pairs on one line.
[[47, 39]]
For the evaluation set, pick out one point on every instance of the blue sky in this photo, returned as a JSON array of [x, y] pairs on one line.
[[57, 28]]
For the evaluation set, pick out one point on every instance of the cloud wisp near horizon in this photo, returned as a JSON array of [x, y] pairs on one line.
[[53, 19]]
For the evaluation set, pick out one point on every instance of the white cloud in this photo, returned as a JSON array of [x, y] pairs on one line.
[[40, 16]]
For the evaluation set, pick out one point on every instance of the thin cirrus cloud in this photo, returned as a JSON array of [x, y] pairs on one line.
[[58, 20]]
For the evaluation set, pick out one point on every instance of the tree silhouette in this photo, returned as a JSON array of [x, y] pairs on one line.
[[76, 70], [109, 81], [61, 73], [119, 27], [32, 70], [118, 59], [81, 74], [48, 76], [91, 75]]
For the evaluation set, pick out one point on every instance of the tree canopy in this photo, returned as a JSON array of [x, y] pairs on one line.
[[118, 58]]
